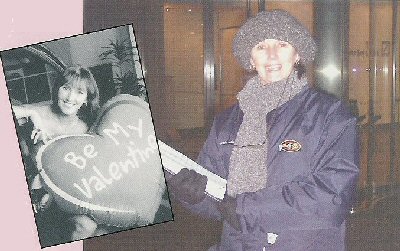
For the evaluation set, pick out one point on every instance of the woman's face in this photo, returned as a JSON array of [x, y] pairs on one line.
[[273, 60], [71, 96]]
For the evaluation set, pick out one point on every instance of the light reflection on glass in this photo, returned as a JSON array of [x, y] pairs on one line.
[[331, 71]]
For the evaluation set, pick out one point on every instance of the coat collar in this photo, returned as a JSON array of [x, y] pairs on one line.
[[280, 118]]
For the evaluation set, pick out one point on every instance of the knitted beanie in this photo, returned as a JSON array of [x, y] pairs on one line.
[[275, 24]]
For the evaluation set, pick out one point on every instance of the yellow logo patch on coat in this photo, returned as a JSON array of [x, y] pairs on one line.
[[290, 145]]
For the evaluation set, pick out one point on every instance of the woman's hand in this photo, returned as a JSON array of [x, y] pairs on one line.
[[188, 186], [39, 132], [38, 135]]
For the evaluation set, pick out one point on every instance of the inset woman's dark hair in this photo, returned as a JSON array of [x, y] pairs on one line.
[[74, 75], [300, 68]]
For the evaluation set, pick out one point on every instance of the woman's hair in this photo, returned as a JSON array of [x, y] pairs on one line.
[[300, 68], [75, 75]]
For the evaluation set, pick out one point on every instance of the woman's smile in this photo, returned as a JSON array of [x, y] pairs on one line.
[[68, 104], [68, 107], [274, 67]]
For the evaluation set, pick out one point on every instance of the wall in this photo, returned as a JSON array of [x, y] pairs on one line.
[[183, 29], [230, 75], [147, 19], [83, 50], [86, 55], [62, 49]]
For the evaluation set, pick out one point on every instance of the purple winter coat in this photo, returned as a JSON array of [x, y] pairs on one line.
[[309, 193]]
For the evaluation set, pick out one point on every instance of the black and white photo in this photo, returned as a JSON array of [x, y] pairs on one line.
[[86, 135]]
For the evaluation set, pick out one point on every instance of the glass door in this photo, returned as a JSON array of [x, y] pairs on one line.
[[230, 77], [373, 87], [183, 41]]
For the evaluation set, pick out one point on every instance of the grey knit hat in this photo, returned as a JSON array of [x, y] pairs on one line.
[[275, 24]]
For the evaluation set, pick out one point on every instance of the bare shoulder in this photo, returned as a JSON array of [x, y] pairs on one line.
[[42, 108], [44, 111]]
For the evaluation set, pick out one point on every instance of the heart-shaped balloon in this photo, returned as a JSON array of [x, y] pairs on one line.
[[114, 172]]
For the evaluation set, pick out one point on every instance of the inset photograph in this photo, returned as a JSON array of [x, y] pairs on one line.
[[86, 135]]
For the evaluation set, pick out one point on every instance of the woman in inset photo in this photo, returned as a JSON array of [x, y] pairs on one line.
[[75, 101]]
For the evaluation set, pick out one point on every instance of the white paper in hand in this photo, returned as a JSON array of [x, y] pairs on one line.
[[174, 161]]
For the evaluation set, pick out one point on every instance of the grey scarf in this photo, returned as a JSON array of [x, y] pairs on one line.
[[248, 167]]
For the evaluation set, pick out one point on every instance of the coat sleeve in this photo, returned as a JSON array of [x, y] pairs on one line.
[[320, 198], [210, 160]]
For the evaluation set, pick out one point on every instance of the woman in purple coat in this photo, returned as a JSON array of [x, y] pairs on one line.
[[288, 151]]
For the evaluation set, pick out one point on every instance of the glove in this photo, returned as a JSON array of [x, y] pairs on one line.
[[227, 208], [188, 186]]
